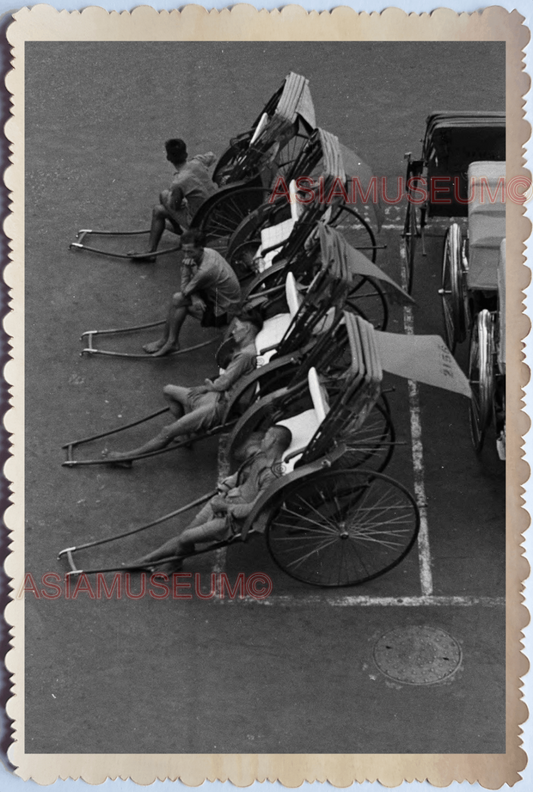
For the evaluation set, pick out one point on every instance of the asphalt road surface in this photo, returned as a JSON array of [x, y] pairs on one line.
[[295, 672]]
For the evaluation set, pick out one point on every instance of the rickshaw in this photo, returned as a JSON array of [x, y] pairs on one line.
[[345, 281], [289, 333], [367, 295], [315, 189], [327, 524], [473, 279], [437, 183], [245, 171]]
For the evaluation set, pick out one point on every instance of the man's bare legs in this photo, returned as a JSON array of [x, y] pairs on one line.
[[184, 425], [177, 313], [184, 545], [161, 215]]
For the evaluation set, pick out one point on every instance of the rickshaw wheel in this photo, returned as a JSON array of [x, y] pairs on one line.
[[411, 232], [341, 527], [270, 278], [222, 175], [267, 379], [241, 260], [451, 291], [355, 230], [481, 376], [251, 225], [288, 155], [368, 300], [372, 445], [225, 211]]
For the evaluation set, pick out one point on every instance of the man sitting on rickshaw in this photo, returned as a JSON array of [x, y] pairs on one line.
[[202, 407], [191, 186], [210, 293], [223, 515]]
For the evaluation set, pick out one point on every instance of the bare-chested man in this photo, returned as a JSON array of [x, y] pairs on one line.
[[191, 186], [201, 408], [210, 293], [226, 512]]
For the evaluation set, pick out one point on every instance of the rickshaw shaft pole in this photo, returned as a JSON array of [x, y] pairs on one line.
[[159, 520]]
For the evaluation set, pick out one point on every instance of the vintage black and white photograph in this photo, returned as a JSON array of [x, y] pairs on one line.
[[265, 397]]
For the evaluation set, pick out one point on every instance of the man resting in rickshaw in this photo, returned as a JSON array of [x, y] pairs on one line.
[[202, 407], [223, 516], [191, 186], [210, 293]]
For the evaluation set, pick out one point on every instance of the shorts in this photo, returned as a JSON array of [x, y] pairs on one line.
[[211, 319]]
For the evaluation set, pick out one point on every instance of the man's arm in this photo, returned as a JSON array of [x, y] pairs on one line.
[[228, 483], [241, 510], [172, 199], [202, 278], [241, 365], [207, 159], [186, 275]]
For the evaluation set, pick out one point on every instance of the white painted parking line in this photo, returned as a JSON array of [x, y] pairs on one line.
[[417, 453], [348, 601]]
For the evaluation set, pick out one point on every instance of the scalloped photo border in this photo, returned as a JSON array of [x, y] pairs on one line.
[[245, 23]]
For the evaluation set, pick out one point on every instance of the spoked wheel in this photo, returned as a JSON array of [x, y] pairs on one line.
[[225, 211], [266, 215], [267, 283], [230, 160], [368, 300], [411, 233], [342, 527], [372, 445], [481, 376], [263, 382], [355, 230], [288, 156], [451, 291]]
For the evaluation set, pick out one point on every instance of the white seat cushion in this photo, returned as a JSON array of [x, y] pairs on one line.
[[274, 235], [292, 294], [271, 334], [303, 428]]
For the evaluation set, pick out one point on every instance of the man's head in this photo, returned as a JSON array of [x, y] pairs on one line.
[[176, 151], [277, 437], [246, 326], [192, 245]]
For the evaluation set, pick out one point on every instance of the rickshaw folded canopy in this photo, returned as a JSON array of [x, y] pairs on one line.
[[294, 101], [336, 252], [421, 358], [358, 172], [462, 119]]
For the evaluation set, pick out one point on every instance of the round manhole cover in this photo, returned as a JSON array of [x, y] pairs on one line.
[[417, 655]]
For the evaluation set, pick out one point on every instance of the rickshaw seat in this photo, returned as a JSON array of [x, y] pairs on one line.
[[304, 425], [272, 238], [492, 174], [276, 327], [486, 224]]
